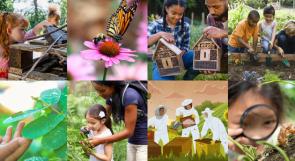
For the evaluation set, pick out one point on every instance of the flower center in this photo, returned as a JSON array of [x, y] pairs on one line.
[[109, 48]]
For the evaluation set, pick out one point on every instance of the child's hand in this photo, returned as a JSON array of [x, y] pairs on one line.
[[167, 36], [12, 149], [270, 46], [281, 52], [251, 50]]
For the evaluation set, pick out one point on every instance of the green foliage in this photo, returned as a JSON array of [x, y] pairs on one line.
[[236, 15], [256, 4], [47, 129], [84, 96], [287, 2], [249, 151], [35, 18], [215, 76], [63, 8], [6, 5], [196, 33]]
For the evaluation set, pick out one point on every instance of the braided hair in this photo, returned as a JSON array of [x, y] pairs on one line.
[[169, 3]]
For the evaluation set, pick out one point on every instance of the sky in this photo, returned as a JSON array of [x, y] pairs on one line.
[[173, 93]]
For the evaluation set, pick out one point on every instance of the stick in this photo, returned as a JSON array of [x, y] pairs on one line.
[[39, 59], [36, 37]]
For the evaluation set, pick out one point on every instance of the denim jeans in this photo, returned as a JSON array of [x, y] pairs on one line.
[[236, 50], [187, 61]]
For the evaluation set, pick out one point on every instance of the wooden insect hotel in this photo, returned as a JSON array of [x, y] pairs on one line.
[[168, 58], [207, 55]]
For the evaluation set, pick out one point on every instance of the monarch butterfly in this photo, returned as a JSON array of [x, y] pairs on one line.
[[119, 21]]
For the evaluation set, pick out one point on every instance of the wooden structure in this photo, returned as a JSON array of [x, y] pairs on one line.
[[154, 149], [187, 121], [244, 57], [207, 55], [168, 58], [52, 67], [205, 147], [178, 146]]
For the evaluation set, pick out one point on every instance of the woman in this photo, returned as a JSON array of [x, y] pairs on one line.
[[126, 102]]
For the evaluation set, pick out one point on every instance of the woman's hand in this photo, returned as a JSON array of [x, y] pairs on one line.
[[167, 36], [12, 148], [95, 141]]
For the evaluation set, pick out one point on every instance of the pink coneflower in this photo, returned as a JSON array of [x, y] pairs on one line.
[[109, 51], [79, 68], [137, 71]]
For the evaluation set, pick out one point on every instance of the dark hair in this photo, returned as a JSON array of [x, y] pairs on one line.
[[169, 3], [118, 87], [270, 91], [94, 113], [253, 14], [269, 10]]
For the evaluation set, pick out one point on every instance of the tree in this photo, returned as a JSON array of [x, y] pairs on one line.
[[6, 5]]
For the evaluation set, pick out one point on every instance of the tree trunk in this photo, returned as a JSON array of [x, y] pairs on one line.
[[36, 9]]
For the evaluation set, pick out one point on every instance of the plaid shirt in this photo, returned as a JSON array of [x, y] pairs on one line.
[[182, 38]]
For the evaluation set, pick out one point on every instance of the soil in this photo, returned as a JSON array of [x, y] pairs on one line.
[[272, 155], [285, 73]]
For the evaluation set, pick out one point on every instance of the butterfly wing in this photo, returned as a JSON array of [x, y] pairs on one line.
[[120, 20]]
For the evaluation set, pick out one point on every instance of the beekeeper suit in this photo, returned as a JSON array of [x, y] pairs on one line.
[[188, 110], [216, 126], [160, 122]]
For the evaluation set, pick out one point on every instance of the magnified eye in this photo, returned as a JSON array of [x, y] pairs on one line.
[[269, 122]]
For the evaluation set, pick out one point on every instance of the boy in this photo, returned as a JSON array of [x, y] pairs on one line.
[[239, 40]]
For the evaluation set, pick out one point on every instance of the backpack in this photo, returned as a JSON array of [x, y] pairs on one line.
[[118, 99]]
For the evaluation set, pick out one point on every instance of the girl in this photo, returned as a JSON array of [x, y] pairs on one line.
[[100, 126], [12, 30], [174, 29], [244, 95], [53, 15], [285, 39], [268, 29], [127, 103]]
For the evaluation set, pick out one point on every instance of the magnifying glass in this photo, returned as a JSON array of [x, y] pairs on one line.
[[259, 122]]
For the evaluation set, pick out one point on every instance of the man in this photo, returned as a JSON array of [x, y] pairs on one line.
[[189, 118], [217, 128], [160, 121], [217, 26]]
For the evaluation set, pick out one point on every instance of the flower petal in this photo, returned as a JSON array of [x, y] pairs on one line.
[[91, 54], [90, 44], [115, 60]]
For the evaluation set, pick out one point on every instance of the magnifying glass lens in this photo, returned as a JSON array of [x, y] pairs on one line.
[[259, 123]]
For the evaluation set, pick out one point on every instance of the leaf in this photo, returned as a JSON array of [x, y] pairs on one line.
[[51, 96], [63, 100], [62, 151], [21, 115], [42, 125], [56, 137], [36, 159]]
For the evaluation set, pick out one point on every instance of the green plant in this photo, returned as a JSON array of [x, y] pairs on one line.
[[48, 127]]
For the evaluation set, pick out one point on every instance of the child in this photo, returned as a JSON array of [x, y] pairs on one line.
[[99, 124], [239, 39], [244, 95], [285, 39], [12, 30], [53, 15], [268, 29], [174, 29]]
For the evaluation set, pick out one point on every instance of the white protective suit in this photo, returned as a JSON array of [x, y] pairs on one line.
[[193, 130], [217, 128], [160, 123]]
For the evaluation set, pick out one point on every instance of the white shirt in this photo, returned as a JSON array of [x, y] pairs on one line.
[[100, 148]]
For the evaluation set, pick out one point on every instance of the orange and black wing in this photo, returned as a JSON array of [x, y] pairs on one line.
[[120, 20]]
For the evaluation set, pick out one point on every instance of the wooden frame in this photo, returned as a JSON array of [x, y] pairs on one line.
[[168, 58], [207, 55]]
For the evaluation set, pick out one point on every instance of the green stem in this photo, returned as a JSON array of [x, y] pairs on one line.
[[105, 74], [280, 150]]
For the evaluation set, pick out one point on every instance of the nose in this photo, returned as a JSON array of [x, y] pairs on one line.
[[211, 10]]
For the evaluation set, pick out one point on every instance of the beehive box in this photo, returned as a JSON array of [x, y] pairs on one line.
[[154, 150], [207, 147], [178, 146]]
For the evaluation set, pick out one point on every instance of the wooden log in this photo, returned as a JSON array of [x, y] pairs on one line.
[[35, 75], [262, 57], [40, 48]]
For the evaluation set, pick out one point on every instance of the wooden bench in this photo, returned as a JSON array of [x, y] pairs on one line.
[[21, 60]]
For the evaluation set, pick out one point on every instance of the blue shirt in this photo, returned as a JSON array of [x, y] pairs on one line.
[[182, 38], [132, 97]]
